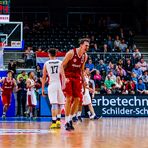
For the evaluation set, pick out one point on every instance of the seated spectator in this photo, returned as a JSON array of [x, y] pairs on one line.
[[103, 89], [137, 71], [111, 75], [123, 46], [97, 78], [117, 43], [124, 90], [142, 65], [145, 79], [130, 86], [23, 75], [121, 72], [90, 65], [136, 55], [12, 67], [118, 82], [114, 89], [111, 67], [108, 82], [140, 87], [134, 78], [102, 68]]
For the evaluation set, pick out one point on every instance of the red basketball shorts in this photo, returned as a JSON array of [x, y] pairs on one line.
[[6, 99], [73, 88]]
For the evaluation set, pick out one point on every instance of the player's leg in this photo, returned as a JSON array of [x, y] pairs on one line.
[[6, 102], [68, 94], [93, 115], [79, 111], [54, 111]]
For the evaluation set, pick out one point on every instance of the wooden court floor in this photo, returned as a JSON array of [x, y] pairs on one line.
[[104, 133]]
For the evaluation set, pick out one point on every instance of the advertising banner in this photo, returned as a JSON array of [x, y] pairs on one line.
[[121, 105]]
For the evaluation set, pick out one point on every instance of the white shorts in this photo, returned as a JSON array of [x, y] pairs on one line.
[[86, 98], [31, 98], [55, 94]]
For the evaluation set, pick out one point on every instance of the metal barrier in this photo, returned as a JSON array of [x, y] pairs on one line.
[[23, 62]]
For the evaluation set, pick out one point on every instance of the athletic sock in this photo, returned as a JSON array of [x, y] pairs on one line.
[[58, 117], [70, 118], [54, 119], [89, 113], [79, 113], [67, 119]]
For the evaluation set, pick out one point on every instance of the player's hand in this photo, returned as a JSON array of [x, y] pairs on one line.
[[92, 91], [43, 93]]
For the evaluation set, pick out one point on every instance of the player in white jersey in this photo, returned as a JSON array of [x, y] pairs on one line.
[[31, 96], [86, 97], [53, 69]]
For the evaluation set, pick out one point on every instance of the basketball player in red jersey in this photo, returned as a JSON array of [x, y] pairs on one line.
[[8, 84], [73, 64]]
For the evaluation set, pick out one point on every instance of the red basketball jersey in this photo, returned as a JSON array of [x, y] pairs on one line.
[[7, 86], [74, 66]]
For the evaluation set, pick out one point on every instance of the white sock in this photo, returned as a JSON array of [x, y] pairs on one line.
[[79, 113], [70, 117], [67, 119], [73, 115], [59, 116], [89, 113], [4, 113], [31, 114], [54, 118]]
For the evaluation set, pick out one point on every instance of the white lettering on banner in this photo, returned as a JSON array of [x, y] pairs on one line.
[[120, 102]]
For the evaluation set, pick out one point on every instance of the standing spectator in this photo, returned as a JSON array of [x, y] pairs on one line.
[[140, 87], [128, 67], [21, 97], [137, 71], [142, 64], [12, 67], [136, 55], [38, 71], [110, 43], [145, 79], [23, 75], [29, 57], [93, 44], [130, 39], [123, 46], [117, 43]]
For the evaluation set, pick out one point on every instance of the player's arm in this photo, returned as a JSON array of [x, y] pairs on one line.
[[15, 85], [68, 57], [2, 80], [44, 79]]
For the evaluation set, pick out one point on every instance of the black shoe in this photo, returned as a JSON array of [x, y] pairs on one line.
[[67, 127], [96, 118], [71, 125], [79, 118], [74, 119]]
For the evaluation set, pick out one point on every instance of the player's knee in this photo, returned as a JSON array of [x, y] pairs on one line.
[[68, 100], [61, 106], [54, 106]]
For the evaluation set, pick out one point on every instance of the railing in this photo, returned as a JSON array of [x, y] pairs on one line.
[[20, 58]]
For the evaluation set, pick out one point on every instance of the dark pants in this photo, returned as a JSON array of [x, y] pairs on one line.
[[21, 103]]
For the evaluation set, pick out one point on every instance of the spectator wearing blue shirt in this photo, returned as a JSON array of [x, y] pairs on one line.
[[90, 65], [137, 71], [140, 87]]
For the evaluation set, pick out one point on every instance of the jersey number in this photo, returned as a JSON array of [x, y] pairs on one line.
[[54, 69]]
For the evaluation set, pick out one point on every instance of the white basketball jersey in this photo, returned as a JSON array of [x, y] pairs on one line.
[[53, 70]]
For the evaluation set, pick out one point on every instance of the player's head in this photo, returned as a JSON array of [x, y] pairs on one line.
[[52, 52], [31, 74], [9, 73], [84, 44]]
